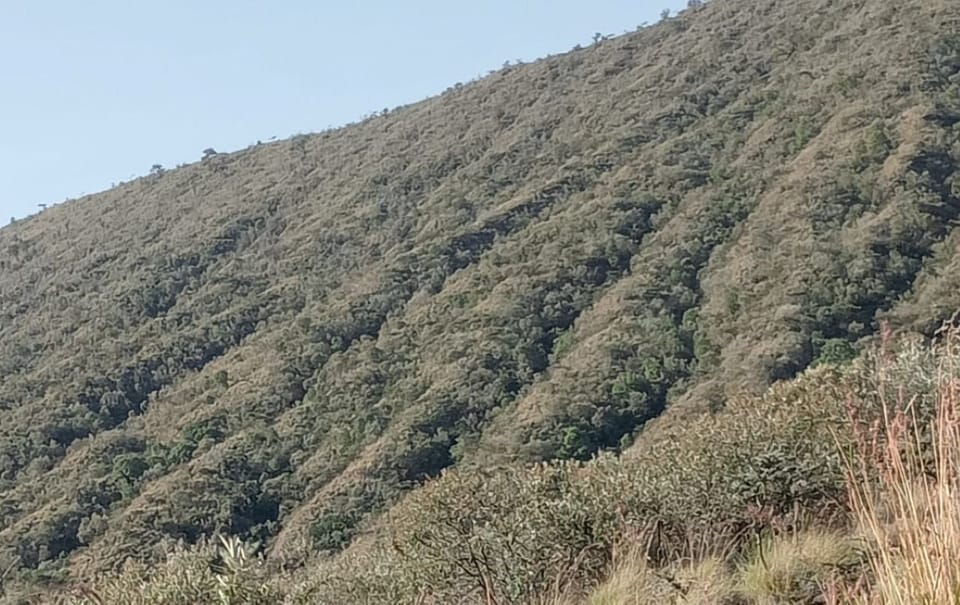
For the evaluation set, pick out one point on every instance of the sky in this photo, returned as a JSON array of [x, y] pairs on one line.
[[96, 92]]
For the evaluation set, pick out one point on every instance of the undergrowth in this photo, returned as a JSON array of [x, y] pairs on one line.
[[838, 487]]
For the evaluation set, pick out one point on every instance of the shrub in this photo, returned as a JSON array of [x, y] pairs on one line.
[[225, 572]]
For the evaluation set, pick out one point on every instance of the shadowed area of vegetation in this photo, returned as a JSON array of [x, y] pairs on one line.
[[595, 252]]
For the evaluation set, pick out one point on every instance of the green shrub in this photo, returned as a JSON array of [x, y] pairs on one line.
[[221, 572]]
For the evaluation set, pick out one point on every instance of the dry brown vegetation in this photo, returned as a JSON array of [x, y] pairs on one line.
[[590, 251]]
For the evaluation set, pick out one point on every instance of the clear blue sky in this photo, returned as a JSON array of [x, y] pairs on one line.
[[96, 91]]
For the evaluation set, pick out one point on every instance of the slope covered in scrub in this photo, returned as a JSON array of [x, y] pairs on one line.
[[279, 343], [835, 487]]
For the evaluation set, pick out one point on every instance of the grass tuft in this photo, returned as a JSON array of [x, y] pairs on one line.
[[793, 568]]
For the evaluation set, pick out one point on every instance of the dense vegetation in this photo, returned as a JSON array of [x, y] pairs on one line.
[[280, 344], [836, 487]]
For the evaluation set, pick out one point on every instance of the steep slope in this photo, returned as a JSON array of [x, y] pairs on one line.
[[281, 341]]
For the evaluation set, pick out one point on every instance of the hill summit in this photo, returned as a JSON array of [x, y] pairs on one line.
[[560, 259]]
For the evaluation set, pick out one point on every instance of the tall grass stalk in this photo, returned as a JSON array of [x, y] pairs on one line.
[[905, 494]]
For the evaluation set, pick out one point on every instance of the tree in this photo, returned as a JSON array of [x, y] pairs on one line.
[[127, 472]]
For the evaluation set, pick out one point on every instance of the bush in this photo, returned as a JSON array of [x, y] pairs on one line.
[[224, 572]]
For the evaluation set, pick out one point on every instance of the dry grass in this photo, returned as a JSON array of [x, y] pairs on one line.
[[632, 581], [786, 568], [912, 514], [794, 568], [708, 582]]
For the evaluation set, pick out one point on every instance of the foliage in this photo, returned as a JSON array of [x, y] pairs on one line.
[[596, 252], [624, 530], [224, 573]]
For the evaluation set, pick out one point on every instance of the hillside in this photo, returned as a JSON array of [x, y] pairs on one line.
[[280, 343]]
